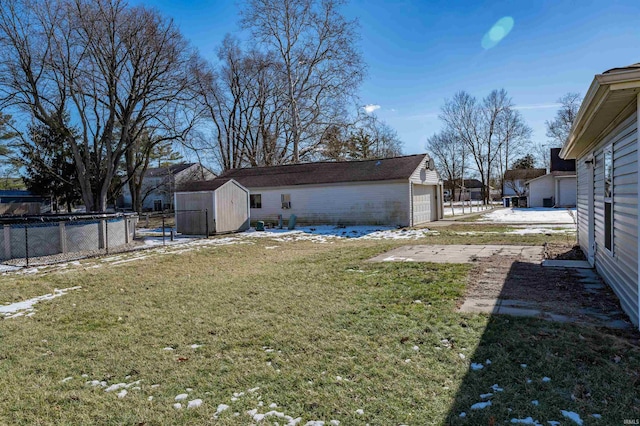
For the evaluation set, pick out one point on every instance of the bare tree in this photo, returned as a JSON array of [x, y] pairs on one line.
[[320, 66], [448, 150], [115, 70], [559, 128], [514, 135]]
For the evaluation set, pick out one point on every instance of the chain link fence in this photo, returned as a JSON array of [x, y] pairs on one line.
[[40, 240]]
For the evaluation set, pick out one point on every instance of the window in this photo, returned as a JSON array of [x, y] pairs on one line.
[[286, 201], [608, 199], [157, 205], [255, 201]]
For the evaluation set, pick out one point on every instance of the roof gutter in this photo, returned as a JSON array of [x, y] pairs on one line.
[[601, 87]]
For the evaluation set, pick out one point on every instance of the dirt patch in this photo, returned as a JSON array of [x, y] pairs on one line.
[[576, 295], [557, 251]]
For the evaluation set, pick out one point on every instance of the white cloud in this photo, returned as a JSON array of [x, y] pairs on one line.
[[370, 108]]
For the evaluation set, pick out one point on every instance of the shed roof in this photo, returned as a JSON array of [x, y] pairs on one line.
[[202, 185], [524, 174], [395, 168]]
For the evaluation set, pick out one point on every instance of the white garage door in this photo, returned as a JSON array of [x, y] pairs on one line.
[[567, 190], [424, 205]]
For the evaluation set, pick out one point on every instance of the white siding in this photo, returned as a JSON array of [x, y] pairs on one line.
[[620, 267], [543, 187], [366, 203], [566, 192], [585, 191], [424, 176], [232, 208]]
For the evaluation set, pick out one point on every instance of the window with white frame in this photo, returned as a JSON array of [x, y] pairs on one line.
[[608, 198]]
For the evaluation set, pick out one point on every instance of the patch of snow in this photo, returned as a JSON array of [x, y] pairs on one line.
[[360, 411], [85, 375], [596, 416], [407, 361], [546, 379], [462, 356], [181, 397], [150, 398], [527, 421], [155, 386], [553, 423], [488, 362], [335, 422], [168, 348], [417, 301], [530, 215], [195, 346], [573, 416], [177, 406], [463, 414], [535, 402], [18, 309], [523, 365], [115, 387], [496, 388], [253, 390], [476, 366], [66, 379], [273, 405], [416, 348], [481, 405], [195, 403], [221, 408], [122, 393], [486, 395]]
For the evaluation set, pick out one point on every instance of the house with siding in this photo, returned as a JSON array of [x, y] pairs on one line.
[[515, 181], [399, 191], [557, 188], [604, 143], [159, 185]]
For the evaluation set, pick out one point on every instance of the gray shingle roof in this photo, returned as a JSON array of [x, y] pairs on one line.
[[524, 174], [395, 168], [202, 185]]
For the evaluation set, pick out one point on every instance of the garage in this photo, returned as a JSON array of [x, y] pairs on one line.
[[424, 204]]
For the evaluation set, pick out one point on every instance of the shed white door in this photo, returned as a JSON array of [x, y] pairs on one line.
[[424, 205]]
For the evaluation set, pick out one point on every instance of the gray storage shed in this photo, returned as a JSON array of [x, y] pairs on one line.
[[223, 202]]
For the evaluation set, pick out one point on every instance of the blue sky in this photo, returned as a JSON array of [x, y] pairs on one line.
[[421, 52]]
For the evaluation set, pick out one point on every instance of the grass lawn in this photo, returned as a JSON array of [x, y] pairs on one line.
[[319, 331]]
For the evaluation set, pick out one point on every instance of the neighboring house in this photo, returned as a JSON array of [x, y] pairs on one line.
[[472, 190], [399, 191], [223, 202], [515, 181], [21, 202], [557, 188], [604, 143], [159, 184]]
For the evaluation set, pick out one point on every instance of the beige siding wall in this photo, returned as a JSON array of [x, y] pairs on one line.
[[619, 268], [232, 208], [369, 203], [190, 212], [544, 187]]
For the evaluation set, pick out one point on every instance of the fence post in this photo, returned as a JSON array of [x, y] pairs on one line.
[[206, 222], [26, 243], [163, 242], [106, 235]]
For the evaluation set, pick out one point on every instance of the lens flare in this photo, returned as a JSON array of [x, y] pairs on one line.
[[498, 31]]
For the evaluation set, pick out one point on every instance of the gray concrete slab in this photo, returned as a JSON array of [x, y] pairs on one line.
[[458, 253], [576, 264]]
